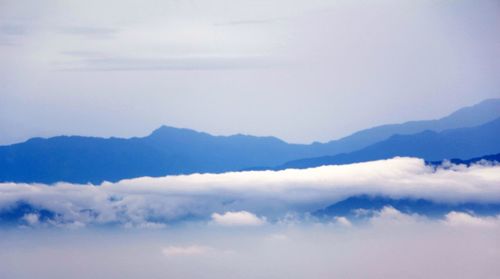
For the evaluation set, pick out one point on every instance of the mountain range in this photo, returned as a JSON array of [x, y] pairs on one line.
[[458, 143], [469, 132]]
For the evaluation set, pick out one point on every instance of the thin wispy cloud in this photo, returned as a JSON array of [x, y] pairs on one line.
[[11, 33], [13, 29], [249, 22], [193, 63], [90, 32]]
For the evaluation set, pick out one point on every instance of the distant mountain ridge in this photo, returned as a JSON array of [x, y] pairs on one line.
[[461, 143], [481, 113], [168, 150]]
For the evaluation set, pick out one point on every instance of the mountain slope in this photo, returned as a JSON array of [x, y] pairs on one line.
[[459, 143], [481, 113]]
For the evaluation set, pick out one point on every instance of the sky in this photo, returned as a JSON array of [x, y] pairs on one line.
[[300, 70]]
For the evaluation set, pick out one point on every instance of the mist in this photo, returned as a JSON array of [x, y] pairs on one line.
[[391, 245]]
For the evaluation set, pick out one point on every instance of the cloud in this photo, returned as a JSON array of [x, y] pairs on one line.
[[187, 63], [190, 250], [277, 237], [10, 33], [147, 202], [31, 219], [249, 22], [458, 219], [240, 218], [144, 225], [391, 216], [90, 32], [12, 29], [343, 221]]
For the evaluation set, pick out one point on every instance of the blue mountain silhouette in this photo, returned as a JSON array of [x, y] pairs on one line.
[[462, 143], [171, 150], [481, 113]]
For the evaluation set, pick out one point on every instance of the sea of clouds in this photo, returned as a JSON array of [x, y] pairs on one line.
[[254, 224], [247, 198]]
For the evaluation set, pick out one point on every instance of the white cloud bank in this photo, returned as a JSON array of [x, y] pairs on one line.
[[151, 201]]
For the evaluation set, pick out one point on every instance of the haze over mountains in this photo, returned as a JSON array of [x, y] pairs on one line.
[[469, 132]]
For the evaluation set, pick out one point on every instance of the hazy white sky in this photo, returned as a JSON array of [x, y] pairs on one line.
[[394, 245], [299, 70]]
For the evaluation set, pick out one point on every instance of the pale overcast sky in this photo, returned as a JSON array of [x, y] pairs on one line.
[[299, 70]]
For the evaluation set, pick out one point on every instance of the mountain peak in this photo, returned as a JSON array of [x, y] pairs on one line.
[[165, 130], [489, 101]]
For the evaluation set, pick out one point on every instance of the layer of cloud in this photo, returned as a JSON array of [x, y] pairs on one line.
[[272, 194]]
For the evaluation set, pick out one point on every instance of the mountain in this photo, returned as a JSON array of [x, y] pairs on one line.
[[360, 206], [459, 143], [169, 151], [166, 151], [481, 113]]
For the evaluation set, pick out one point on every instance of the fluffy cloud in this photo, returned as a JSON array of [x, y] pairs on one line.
[[240, 218], [146, 201], [389, 216], [457, 219]]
